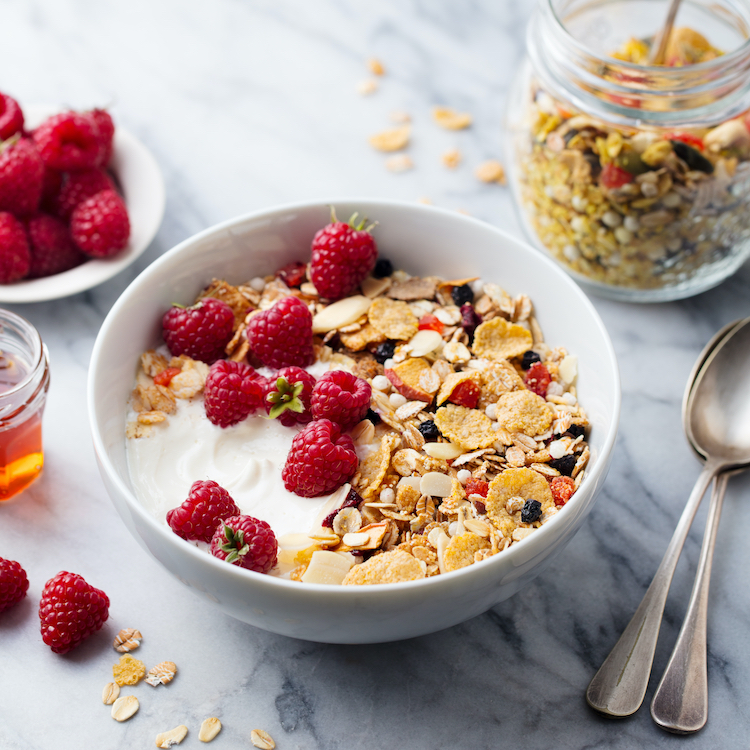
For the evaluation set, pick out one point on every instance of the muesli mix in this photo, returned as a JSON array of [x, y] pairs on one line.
[[467, 423], [642, 207]]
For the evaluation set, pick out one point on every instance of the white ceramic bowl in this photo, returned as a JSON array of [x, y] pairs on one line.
[[422, 240], [142, 186]]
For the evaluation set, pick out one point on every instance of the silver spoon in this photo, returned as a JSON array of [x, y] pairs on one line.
[[618, 688], [680, 703], [659, 47]]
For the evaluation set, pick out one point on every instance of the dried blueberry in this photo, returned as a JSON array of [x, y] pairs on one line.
[[383, 268], [531, 511], [529, 358], [384, 351], [564, 465], [576, 430], [373, 416], [462, 294], [429, 430]]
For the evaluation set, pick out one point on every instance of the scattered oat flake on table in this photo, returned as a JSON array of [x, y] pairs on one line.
[[262, 739], [110, 693], [450, 119], [393, 139], [209, 729], [375, 66], [367, 87], [162, 673], [125, 707], [129, 671], [491, 171], [399, 163], [172, 737], [451, 158], [127, 639], [400, 118]]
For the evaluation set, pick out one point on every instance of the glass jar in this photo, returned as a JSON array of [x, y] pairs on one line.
[[24, 382], [635, 178]]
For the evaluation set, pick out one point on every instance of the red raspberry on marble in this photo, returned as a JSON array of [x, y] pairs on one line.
[[201, 331], [342, 257], [52, 249], [15, 258], [287, 396], [562, 488], [246, 542], [282, 336], [21, 177], [14, 583], [231, 393], [207, 504], [99, 225], [11, 117], [538, 379], [68, 141], [76, 187], [320, 460], [341, 397], [105, 131], [70, 610]]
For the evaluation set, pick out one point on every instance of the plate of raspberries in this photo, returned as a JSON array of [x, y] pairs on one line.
[[80, 199]]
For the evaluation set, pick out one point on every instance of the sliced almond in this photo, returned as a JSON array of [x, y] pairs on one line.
[[423, 342], [209, 729], [446, 451], [435, 484], [328, 567], [110, 693], [262, 739], [125, 707], [341, 313], [172, 737]]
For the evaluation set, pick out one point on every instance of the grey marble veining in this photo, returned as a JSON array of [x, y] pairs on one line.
[[250, 104]]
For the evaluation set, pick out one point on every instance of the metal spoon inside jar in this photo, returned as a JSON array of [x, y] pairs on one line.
[[717, 422]]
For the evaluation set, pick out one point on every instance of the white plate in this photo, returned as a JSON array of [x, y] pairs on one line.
[[142, 185]]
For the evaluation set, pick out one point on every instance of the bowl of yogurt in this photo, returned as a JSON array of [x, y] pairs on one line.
[[147, 477]]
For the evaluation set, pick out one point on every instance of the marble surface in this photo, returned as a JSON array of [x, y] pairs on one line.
[[246, 105]]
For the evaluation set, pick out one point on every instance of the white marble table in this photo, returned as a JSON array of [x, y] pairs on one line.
[[246, 105]]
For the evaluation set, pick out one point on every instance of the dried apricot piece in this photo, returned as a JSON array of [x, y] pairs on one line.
[[462, 388], [414, 379], [498, 339]]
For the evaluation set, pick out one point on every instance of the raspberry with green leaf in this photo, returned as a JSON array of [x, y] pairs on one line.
[[288, 397], [246, 542]]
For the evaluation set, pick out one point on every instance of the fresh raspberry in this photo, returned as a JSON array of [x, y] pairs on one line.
[[105, 134], [476, 487], [282, 336], [76, 187], [11, 117], [431, 323], [15, 258], [164, 378], [231, 393], [320, 460], [342, 256], [246, 542], [293, 274], [51, 184], [197, 518], [538, 379], [68, 141], [201, 331], [14, 583], [100, 225], [466, 393], [21, 177], [287, 397], [341, 397], [562, 489], [52, 249], [70, 610]]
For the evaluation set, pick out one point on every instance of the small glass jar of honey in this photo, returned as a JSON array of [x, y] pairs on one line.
[[24, 382]]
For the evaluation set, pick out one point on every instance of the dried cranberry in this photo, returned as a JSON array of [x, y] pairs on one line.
[[462, 295], [564, 465], [352, 500], [470, 319], [529, 358], [476, 487], [562, 489], [480, 506], [383, 268], [538, 379], [531, 511], [466, 393], [384, 351], [429, 430], [293, 274]]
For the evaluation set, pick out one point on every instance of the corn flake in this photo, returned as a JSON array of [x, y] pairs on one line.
[[393, 318], [470, 428], [498, 378], [461, 549], [129, 671], [374, 468], [524, 411], [525, 484], [394, 566], [453, 381], [358, 340], [498, 339]]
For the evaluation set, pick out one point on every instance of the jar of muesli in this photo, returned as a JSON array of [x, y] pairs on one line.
[[635, 177]]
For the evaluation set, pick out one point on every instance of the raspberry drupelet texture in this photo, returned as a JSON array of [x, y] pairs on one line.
[[105, 133], [207, 504], [287, 396], [14, 583], [21, 177], [52, 249], [341, 397], [282, 336], [99, 225], [232, 393], [70, 610], [15, 258], [11, 117], [247, 542], [320, 460], [68, 141], [342, 257], [201, 331], [76, 187]]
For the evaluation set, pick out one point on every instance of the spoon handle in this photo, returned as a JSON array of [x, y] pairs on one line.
[[618, 688], [680, 702]]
